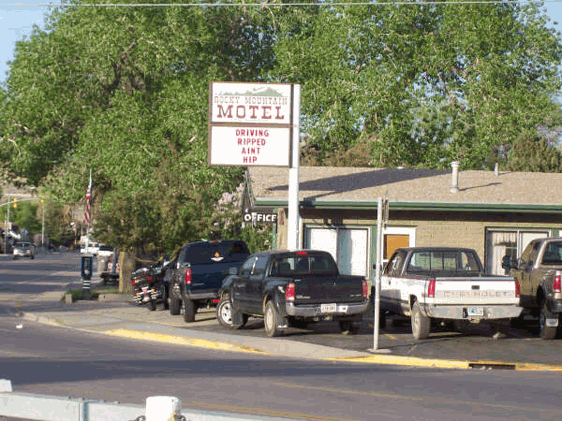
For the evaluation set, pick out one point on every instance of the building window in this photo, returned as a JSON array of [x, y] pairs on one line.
[[500, 242], [348, 246]]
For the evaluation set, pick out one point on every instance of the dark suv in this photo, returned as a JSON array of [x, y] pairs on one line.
[[198, 272]]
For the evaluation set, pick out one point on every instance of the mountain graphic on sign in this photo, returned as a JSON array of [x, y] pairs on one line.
[[261, 91]]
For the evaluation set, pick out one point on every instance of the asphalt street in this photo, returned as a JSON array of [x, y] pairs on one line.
[[118, 315]]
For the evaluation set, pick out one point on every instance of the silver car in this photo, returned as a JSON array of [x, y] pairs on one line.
[[24, 249]]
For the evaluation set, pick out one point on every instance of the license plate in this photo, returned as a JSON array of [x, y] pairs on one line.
[[552, 322], [475, 311], [328, 308]]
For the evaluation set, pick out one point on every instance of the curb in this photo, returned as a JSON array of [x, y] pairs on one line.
[[369, 359], [450, 364]]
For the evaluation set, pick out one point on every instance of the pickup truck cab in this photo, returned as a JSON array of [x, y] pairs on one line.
[[539, 272], [197, 273], [292, 289], [446, 284]]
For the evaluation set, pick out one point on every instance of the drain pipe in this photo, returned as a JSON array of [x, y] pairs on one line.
[[455, 179]]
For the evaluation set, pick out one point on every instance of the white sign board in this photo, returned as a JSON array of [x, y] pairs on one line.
[[250, 124], [250, 146]]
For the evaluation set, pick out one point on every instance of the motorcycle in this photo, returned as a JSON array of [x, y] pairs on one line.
[[151, 285]]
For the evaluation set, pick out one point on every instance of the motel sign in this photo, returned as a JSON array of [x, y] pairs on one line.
[[250, 124]]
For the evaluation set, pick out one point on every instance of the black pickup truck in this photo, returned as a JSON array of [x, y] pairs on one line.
[[292, 289], [198, 271]]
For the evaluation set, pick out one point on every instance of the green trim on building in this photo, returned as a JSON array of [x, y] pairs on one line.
[[419, 206]]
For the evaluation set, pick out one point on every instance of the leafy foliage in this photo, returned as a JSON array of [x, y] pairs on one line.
[[124, 92]]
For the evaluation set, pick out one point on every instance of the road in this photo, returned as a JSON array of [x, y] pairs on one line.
[[64, 362]]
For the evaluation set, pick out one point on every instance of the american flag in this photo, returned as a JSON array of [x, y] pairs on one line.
[[87, 210]]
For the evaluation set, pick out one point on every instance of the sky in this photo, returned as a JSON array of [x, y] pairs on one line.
[[17, 20]]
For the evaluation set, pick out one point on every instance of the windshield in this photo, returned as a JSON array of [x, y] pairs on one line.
[[552, 254], [443, 261]]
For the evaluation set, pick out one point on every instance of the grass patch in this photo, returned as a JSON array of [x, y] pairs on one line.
[[78, 294], [111, 290]]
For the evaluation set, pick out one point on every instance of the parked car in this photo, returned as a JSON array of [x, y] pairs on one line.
[[198, 271], [446, 284], [539, 272], [93, 248], [292, 289], [24, 249], [105, 250]]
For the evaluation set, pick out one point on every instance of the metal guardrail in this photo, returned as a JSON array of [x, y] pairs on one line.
[[52, 408]]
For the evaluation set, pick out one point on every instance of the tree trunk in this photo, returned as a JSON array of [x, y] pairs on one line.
[[127, 262]]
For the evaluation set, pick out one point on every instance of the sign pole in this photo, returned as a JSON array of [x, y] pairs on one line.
[[379, 258], [293, 199]]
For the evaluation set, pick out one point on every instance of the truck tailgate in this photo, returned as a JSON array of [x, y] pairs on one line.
[[476, 291], [322, 289]]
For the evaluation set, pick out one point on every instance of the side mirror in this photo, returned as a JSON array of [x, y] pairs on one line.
[[233, 271]]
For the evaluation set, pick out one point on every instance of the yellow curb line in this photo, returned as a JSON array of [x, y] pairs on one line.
[[410, 361], [453, 364], [179, 340]]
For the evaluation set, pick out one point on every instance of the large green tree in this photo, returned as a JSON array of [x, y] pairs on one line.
[[421, 84], [123, 92]]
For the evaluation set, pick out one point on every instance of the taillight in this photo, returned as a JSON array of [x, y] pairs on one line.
[[431, 289], [517, 289], [365, 289], [556, 283], [187, 277], [290, 292], [149, 278], [132, 282]]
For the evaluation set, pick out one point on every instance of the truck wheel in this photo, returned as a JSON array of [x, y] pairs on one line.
[[382, 319], [347, 327], [188, 310], [175, 305], [224, 314], [421, 325], [546, 332], [271, 320]]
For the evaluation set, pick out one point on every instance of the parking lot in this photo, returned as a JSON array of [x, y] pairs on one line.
[[522, 345]]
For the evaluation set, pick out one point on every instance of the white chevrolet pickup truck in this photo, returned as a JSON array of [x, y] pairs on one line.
[[446, 284]]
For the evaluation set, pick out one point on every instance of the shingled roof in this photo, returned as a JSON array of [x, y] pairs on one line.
[[336, 187]]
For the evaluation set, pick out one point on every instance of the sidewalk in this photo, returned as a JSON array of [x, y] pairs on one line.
[[117, 315]]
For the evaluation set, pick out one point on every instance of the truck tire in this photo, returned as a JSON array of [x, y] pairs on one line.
[[421, 325], [382, 319], [546, 332], [175, 305], [188, 310], [347, 327], [224, 314], [271, 320]]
